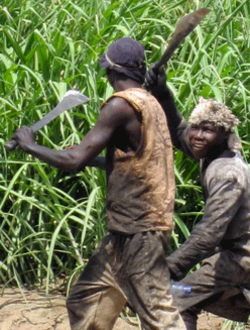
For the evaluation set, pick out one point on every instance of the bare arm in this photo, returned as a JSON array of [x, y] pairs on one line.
[[117, 112], [156, 82], [99, 161], [178, 127]]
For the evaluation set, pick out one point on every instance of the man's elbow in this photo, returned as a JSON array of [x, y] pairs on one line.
[[77, 165], [73, 162]]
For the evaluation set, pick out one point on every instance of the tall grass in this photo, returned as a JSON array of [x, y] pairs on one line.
[[51, 220]]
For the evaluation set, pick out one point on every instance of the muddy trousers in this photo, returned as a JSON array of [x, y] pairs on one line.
[[125, 268], [218, 287]]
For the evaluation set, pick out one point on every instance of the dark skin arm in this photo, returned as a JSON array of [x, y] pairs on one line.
[[115, 114], [99, 161], [155, 81]]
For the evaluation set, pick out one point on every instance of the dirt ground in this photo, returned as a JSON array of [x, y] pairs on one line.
[[33, 310]]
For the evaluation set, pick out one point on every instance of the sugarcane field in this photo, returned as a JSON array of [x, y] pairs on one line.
[[125, 165]]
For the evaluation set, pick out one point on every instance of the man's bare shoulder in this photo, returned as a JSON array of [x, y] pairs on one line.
[[118, 103], [118, 107]]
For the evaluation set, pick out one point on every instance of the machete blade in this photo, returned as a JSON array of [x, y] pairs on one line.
[[71, 99], [185, 25]]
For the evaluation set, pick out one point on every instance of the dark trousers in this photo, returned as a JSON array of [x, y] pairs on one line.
[[220, 286], [125, 268]]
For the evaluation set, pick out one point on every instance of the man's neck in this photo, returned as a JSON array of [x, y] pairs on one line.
[[122, 85], [216, 151]]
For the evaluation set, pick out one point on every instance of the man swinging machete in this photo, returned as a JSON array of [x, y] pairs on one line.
[[130, 263]]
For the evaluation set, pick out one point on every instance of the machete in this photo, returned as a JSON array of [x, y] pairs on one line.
[[185, 25], [71, 99]]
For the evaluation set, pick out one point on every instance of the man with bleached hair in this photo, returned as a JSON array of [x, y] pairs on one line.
[[221, 240]]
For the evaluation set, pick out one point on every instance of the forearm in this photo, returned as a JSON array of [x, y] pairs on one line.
[[174, 117], [63, 159], [222, 204], [165, 98], [197, 247]]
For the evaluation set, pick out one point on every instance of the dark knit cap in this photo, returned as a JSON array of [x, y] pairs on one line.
[[127, 56]]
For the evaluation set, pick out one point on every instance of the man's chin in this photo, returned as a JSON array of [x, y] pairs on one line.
[[199, 154]]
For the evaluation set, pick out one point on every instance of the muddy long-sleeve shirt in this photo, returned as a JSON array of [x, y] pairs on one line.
[[226, 221]]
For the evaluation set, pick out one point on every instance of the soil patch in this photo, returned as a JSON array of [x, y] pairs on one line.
[[34, 310]]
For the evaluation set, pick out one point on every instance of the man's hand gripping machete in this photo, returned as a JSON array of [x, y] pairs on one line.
[[185, 25], [72, 98]]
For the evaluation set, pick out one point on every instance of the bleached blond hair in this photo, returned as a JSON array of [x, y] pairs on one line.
[[213, 111], [220, 115]]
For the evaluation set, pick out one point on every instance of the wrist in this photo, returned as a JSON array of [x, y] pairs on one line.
[[29, 148], [161, 92], [175, 272]]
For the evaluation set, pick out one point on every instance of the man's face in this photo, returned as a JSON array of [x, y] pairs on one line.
[[205, 137]]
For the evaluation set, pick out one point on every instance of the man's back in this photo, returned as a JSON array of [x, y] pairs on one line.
[[141, 187]]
